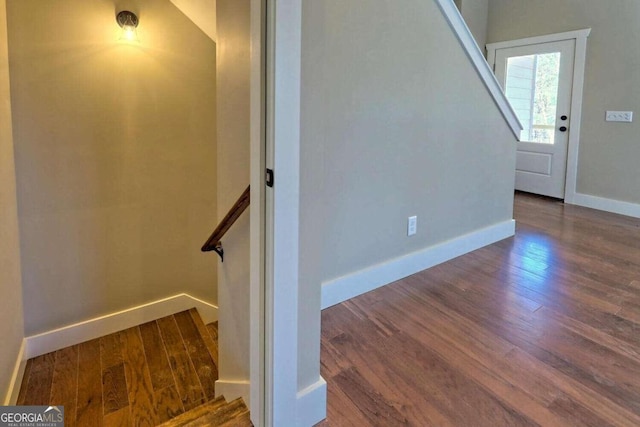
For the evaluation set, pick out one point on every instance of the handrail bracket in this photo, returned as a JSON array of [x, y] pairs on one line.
[[218, 249]]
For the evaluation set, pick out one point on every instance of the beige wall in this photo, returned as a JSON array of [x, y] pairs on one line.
[[609, 152], [395, 122], [233, 177], [115, 157], [475, 14], [11, 318]]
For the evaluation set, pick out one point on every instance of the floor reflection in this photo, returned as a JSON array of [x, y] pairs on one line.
[[533, 256]]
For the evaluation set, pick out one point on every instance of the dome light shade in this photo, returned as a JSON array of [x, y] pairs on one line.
[[129, 22]]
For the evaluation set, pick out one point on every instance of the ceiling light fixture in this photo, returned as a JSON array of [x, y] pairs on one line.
[[129, 22]]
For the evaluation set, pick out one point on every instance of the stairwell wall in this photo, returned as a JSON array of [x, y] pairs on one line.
[[233, 84], [395, 122], [115, 149], [11, 313]]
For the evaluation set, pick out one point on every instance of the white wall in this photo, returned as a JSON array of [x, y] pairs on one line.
[[395, 122], [115, 157], [607, 164], [11, 314], [233, 108]]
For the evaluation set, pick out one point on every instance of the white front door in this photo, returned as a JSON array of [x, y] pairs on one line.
[[537, 79]]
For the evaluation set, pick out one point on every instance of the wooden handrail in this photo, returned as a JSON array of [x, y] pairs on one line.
[[213, 243]]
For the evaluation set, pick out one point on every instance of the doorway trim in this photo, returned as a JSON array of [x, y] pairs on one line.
[[286, 402], [575, 121], [282, 155]]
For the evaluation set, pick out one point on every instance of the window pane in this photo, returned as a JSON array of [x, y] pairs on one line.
[[532, 90]]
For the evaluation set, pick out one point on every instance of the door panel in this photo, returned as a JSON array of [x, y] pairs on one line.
[[537, 80], [539, 163]]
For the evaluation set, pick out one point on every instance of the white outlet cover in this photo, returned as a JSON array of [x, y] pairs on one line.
[[412, 225], [619, 116]]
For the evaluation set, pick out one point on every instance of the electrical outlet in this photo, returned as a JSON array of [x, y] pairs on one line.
[[412, 225], [619, 116]]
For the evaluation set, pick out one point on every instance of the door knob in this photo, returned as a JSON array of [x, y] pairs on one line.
[[563, 128]]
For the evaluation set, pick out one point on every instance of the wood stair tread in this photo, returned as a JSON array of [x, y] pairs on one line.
[[196, 412], [217, 412], [212, 329], [243, 420], [228, 413], [234, 413]]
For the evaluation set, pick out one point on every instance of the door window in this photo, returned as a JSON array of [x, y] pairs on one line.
[[532, 89]]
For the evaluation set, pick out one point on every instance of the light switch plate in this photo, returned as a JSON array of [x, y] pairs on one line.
[[619, 116]]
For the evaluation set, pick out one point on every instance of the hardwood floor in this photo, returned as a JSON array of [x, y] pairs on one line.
[[142, 376], [539, 329]]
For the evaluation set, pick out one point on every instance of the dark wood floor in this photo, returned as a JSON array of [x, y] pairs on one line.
[[141, 376], [539, 329]]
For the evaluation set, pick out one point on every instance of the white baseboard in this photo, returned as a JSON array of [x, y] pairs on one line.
[[608, 205], [312, 404], [46, 342], [360, 282], [16, 378], [234, 389]]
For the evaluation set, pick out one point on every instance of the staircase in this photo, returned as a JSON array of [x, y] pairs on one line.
[[159, 373], [218, 412]]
